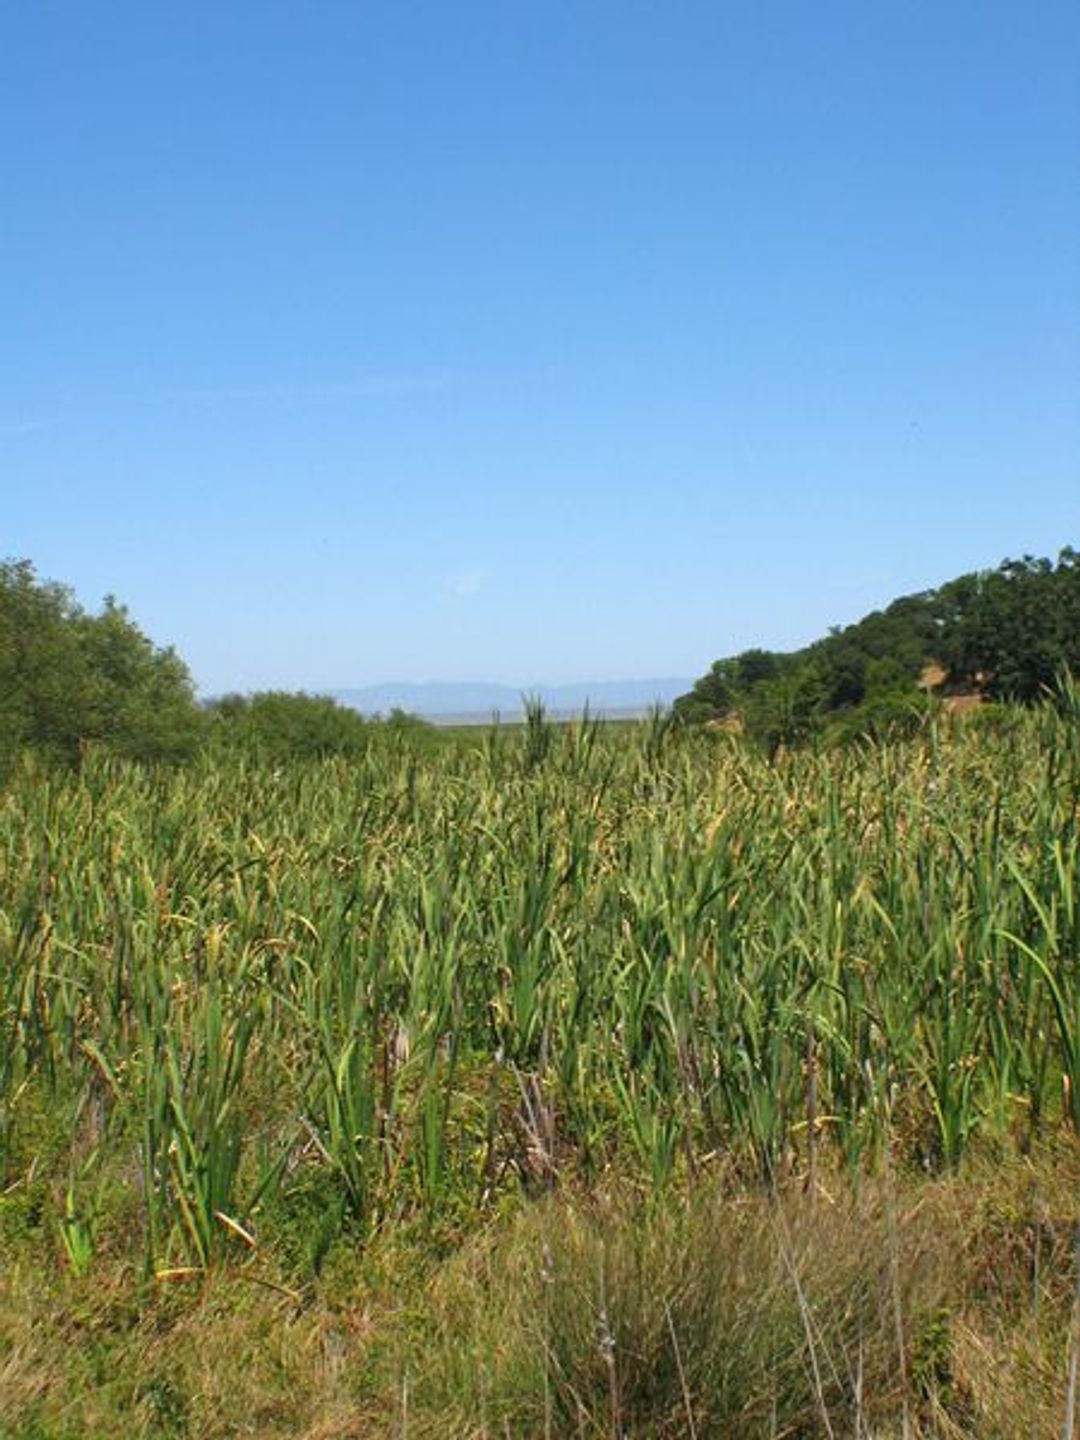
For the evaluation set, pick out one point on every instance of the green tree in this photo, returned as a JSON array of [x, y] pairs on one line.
[[43, 678], [140, 698], [1016, 628], [727, 686], [787, 710], [69, 679]]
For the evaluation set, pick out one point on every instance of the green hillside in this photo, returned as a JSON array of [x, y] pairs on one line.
[[1006, 634]]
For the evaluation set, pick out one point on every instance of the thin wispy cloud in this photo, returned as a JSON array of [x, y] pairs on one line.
[[468, 582], [370, 387], [26, 427]]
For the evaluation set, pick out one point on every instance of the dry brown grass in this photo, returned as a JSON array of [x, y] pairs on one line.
[[788, 1311]]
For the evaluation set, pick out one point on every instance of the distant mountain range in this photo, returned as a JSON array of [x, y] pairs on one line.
[[463, 702]]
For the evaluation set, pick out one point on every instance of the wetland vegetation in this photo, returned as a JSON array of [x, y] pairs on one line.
[[562, 1080]]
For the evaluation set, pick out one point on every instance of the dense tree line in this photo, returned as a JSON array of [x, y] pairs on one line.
[[1008, 634], [71, 680], [285, 725]]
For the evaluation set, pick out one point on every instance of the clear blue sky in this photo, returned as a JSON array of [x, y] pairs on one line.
[[530, 340]]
